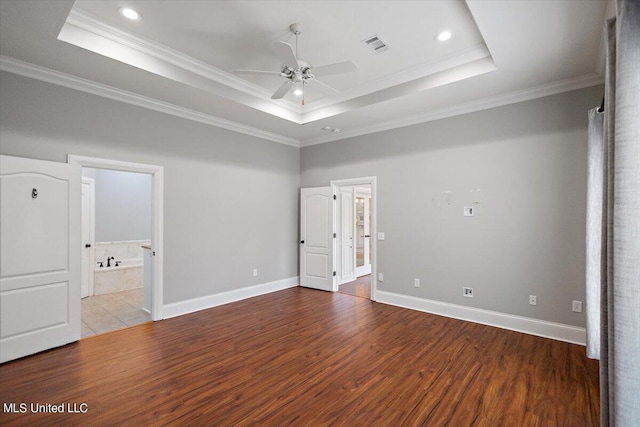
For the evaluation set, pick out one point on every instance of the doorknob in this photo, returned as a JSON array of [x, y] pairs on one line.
[[367, 235], [301, 241], [87, 245]]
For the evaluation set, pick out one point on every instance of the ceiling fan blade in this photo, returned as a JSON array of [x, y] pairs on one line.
[[338, 68], [286, 54], [325, 86], [282, 90], [239, 71]]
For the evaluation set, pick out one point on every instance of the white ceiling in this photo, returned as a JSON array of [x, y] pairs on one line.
[[178, 58]]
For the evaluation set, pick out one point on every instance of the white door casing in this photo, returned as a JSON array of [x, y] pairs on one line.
[[88, 238], [40, 256], [157, 228], [365, 194], [344, 231], [371, 182], [316, 238]]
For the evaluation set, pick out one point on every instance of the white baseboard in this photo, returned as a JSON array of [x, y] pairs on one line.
[[202, 303], [527, 325]]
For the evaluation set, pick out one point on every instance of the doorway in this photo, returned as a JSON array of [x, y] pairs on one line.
[[355, 245], [116, 229], [155, 248]]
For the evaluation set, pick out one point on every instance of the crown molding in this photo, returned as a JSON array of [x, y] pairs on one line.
[[587, 80], [86, 31], [437, 65], [48, 75], [87, 22]]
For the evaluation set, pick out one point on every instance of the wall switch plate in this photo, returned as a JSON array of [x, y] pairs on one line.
[[533, 300], [469, 210], [576, 306], [380, 277], [381, 235], [255, 272], [467, 292], [416, 283]]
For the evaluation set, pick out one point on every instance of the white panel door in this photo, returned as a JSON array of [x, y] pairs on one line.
[[345, 257], [363, 234], [88, 221], [316, 238], [39, 256]]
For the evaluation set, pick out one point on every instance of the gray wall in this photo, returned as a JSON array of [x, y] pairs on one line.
[[527, 236], [123, 205], [231, 200]]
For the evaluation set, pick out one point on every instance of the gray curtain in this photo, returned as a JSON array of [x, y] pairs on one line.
[[613, 246]]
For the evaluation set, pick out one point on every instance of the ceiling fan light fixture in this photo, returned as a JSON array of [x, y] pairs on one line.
[[297, 92], [129, 13], [443, 36]]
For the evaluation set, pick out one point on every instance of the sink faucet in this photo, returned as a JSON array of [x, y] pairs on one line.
[[109, 261]]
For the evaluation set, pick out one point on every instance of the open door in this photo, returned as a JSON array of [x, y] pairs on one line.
[[88, 225], [39, 256], [316, 238], [363, 232]]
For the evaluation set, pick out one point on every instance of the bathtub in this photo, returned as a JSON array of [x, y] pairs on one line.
[[127, 275]]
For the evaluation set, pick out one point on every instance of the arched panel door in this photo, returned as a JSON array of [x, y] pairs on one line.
[[40, 256], [316, 238]]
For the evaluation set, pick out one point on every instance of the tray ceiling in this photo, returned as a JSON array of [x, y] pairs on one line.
[[181, 53]]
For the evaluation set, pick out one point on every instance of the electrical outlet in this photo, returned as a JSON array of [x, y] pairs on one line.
[[416, 283], [467, 292], [255, 272], [381, 235], [576, 306], [533, 300], [380, 277]]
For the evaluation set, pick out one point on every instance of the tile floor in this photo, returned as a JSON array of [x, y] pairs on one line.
[[109, 312]]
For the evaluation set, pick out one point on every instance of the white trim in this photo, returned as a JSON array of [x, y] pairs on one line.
[[588, 80], [414, 73], [25, 69], [157, 227], [92, 230], [89, 32], [37, 72], [527, 325], [373, 226], [88, 23], [209, 301], [364, 193]]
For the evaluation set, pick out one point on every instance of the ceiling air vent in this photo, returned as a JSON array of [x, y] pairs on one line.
[[376, 43]]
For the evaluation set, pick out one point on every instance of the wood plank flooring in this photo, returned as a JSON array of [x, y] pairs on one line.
[[361, 287], [301, 357]]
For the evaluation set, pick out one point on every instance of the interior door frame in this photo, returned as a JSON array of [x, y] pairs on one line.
[[157, 221], [364, 193], [339, 266], [372, 182], [92, 230]]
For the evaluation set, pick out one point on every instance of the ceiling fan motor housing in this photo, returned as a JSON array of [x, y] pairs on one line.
[[296, 28]]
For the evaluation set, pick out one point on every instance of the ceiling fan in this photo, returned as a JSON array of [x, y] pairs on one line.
[[296, 70]]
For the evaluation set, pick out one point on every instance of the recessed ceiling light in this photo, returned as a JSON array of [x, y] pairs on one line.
[[444, 36], [130, 13], [297, 92]]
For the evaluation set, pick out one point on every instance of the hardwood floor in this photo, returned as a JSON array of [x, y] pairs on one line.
[[308, 358], [361, 287]]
